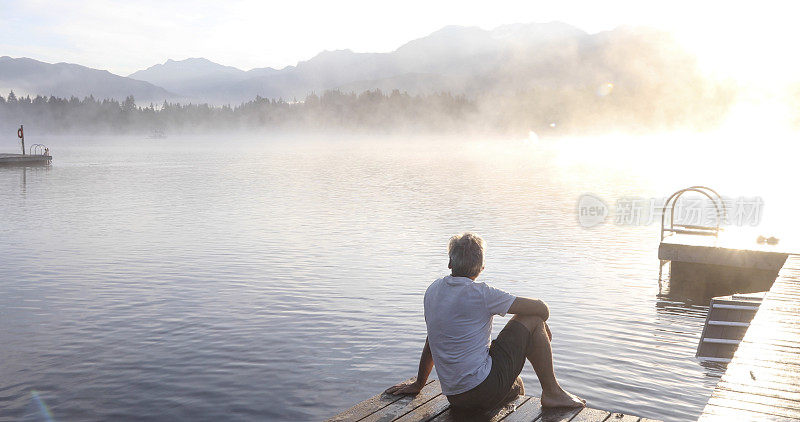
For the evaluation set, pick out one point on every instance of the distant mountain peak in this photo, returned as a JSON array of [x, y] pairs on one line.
[[451, 29], [336, 52], [189, 76], [67, 79], [537, 32], [330, 55], [191, 63]]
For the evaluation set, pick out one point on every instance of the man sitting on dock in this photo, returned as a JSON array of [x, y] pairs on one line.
[[475, 373]]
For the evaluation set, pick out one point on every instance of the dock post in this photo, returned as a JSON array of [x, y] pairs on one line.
[[21, 135]]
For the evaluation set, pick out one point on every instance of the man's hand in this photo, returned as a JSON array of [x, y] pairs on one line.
[[425, 367], [404, 388]]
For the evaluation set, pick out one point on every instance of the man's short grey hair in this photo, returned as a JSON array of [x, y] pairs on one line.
[[466, 252]]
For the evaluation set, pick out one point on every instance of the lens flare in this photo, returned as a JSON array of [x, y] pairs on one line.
[[605, 89], [45, 411]]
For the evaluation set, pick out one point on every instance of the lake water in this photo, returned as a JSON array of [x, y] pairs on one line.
[[282, 279]]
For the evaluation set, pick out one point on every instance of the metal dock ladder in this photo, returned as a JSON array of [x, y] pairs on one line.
[[726, 323], [673, 228]]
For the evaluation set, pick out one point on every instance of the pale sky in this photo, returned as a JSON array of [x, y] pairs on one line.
[[752, 40]]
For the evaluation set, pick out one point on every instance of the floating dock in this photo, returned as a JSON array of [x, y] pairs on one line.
[[431, 405], [726, 249], [25, 160], [723, 263], [762, 381]]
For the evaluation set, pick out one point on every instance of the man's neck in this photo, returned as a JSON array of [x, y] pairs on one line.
[[471, 278]]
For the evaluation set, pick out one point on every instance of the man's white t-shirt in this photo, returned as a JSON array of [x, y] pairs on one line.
[[459, 313]]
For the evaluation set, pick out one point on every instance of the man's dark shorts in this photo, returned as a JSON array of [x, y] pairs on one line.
[[503, 383]]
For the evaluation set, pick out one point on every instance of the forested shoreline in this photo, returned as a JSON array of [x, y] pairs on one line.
[[542, 110], [333, 109]]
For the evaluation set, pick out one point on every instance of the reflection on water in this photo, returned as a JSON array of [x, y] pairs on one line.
[[23, 173], [677, 299], [284, 279]]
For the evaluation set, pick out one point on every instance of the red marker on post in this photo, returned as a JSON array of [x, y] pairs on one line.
[[21, 135]]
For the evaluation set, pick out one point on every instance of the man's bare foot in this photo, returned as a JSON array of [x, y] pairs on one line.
[[561, 399]]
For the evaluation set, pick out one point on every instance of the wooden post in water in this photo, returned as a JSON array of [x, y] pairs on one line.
[[21, 135]]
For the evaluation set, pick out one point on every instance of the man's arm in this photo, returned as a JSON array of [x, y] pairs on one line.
[[526, 306], [425, 367]]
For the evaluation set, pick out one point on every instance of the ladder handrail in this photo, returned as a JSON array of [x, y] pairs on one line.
[[716, 200], [37, 149]]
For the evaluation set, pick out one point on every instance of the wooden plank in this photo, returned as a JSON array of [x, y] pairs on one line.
[[781, 301], [774, 385], [745, 409], [781, 306], [790, 368], [752, 352], [785, 353], [783, 291], [766, 391], [529, 411], [493, 415], [772, 317], [558, 414], [791, 406], [406, 404], [713, 413], [779, 329], [792, 263], [591, 415], [621, 417], [782, 329], [761, 376], [427, 411], [760, 333], [783, 297], [784, 341], [775, 344], [367, 407]]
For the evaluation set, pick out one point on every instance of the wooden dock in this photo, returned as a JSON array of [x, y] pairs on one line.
[[762, 381], [24, 160], [431, 405]]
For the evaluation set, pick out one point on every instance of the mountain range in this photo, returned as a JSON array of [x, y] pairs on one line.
[[462, 60], [32, 77]]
